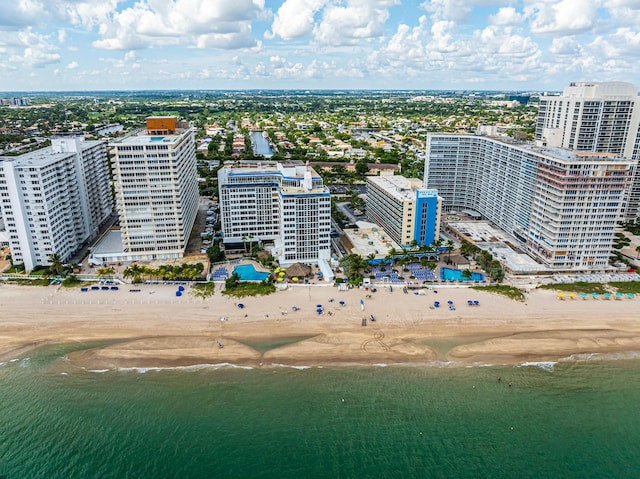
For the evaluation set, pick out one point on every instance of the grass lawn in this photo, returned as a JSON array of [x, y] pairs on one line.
[[203, 290], [28, 282], [245, 288], [508, 291], [579, 287]]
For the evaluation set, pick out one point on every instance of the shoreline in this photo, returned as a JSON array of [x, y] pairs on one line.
[[158, 330]]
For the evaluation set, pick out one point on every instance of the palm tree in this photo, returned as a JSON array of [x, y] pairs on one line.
[[450, 245], [244, 242], [56, 266], [105, 272]]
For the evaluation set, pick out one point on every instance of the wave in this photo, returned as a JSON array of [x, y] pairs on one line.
[[193, 367], [300, 368], [546, 365], [602, 356]]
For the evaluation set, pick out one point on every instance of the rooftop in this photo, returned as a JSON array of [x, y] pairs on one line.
[[40, 158], [399, 187], [141, 138], [369, 238]]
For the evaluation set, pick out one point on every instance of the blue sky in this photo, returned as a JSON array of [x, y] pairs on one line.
[[316, 44]]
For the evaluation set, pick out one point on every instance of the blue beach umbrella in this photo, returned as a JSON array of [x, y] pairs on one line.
[[341, 303], [631, 295], [595, 295], [436, 304], [606, 295], [619, 295], [584, 295], [240, 305]]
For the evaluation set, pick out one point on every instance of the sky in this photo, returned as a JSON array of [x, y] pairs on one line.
[[76, 45]]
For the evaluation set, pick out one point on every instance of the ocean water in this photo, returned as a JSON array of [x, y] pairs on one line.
[[575, 419]]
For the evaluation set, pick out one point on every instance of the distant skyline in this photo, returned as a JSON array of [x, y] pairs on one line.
[[71, 45]]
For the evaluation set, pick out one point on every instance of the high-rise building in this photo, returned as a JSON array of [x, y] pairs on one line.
[[600, 117], [404, 209], [561, 206], [55, 199], [289, 206], [156, 189]]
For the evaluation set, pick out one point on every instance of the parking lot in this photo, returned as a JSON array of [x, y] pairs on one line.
[[203, 228]]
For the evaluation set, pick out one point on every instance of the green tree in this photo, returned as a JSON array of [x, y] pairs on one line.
[[361, 167], [215, 254], [56, 265]]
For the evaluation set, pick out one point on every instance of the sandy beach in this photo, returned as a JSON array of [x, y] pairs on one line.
[[154, 328]]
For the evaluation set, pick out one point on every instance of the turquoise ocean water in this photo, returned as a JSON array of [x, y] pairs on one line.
[[571, 420]]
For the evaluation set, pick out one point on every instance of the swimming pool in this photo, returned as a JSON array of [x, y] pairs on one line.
[[247, 272], [451, 274]]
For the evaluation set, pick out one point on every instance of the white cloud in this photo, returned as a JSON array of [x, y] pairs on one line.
[[21, 13], [73, 65], [358, 20], [203, 23], [565, 46], [454, 10], [30, 48], [295, 18], [565, 17], [506, 16]]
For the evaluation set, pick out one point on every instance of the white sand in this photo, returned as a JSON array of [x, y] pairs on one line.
[[159, 329]]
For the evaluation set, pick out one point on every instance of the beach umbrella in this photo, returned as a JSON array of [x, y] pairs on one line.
[[476, 302], [240, 305], [572, 295], [341, 303], [619, 295], [178, 293], [561, 295], [436, 304], [295, 279], [318, 306], [449, 302], [595, 295], [584, 295], [319, 310], [294, 308], [606, 295], [280, 280], [180, 288], [631, 295], [281, 273], [469, 302]]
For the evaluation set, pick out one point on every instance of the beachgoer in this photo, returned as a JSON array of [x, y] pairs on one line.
[[510, 384], [420, 433], [499, 379]]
